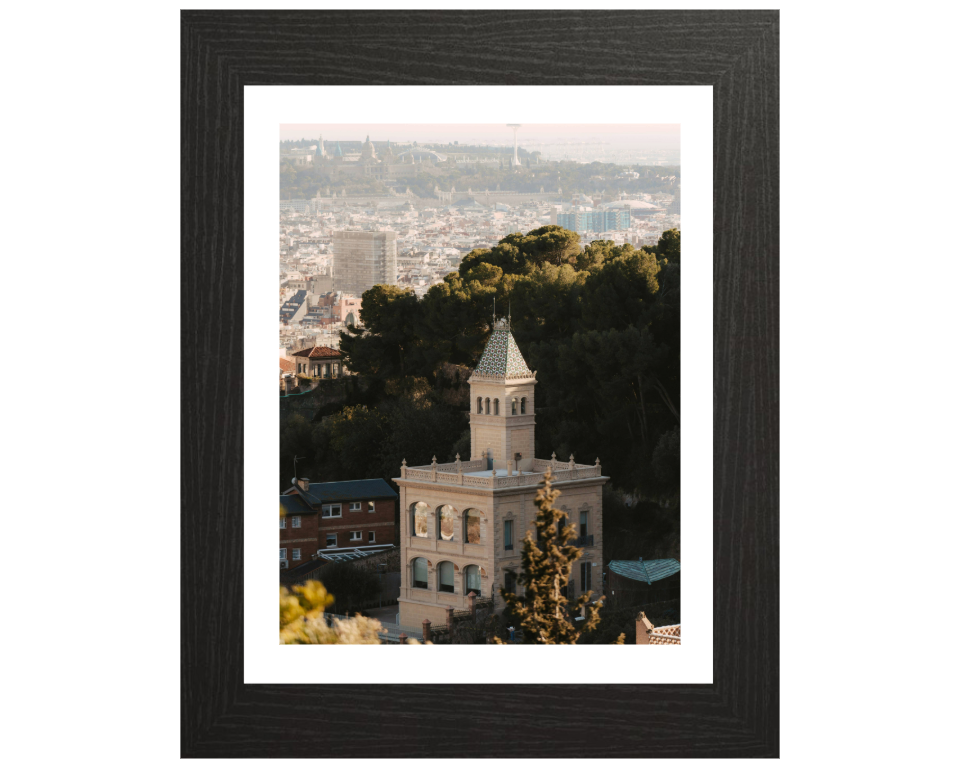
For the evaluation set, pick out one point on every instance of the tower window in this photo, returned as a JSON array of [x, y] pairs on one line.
[[479, 405], [488, 406], [513, 407], [496, 407], [523, 405]]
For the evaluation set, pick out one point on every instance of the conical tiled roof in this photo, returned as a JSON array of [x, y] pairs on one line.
[[501, 357]]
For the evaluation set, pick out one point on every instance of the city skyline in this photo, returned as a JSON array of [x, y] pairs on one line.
[[652, 137]]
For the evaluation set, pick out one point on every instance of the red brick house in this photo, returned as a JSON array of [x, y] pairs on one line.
[[354, 514]]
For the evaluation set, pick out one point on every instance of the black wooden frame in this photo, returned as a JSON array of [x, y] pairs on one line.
[[737, 52]]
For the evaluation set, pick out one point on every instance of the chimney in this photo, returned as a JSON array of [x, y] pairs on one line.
[[304, 483], [287, 384], [644, 628]]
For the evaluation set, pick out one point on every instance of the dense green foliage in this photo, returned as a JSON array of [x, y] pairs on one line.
[[600, 326], [371, 441], [351, 586]]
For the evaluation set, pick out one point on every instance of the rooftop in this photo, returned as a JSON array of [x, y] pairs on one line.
[[316, 352], [478, 473], [347, 490], [645, 570], [501, 357]]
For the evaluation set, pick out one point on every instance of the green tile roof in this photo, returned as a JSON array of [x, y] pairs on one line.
[[645, 570], [502, 358]]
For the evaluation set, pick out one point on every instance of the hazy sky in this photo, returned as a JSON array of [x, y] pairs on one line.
[[659, 136]]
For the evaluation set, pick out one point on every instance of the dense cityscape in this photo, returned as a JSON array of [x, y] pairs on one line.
[[375, 388]]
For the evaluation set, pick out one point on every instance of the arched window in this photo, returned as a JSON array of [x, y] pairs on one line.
[[496, 407], [479, 405], [420, 573], [421, 515], [510, 582], [523, 405], [488, 406], [513, 407], [471, 526], [446, 513], [446, 576], [471, 580]]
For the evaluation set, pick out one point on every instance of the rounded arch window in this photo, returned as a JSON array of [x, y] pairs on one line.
[[496, 407], [446, 576], [446, 514], [421, 517], [488, 406], [523, 405], [471, 526], [479, 405], [420, 573], [471, 580], [513, 407]]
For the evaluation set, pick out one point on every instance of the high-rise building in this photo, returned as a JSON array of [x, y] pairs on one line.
[[462, 524], [363, 259], [594, 221]]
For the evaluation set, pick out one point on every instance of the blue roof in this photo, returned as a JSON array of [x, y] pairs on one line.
[[348, 490], [645, 570]]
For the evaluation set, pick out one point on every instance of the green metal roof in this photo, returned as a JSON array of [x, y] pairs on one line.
[[502, 358], [645, 570]]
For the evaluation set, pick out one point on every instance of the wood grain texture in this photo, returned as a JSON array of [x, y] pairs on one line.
[[737, 52]]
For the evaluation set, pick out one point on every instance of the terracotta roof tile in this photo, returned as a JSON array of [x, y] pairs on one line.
[[316, 352], [286, 365]]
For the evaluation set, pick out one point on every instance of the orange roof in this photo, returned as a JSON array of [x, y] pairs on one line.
[[286, 365], [317, 352]]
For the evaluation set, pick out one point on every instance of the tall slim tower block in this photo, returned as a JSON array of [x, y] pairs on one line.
[[364, 259], [462, 523]]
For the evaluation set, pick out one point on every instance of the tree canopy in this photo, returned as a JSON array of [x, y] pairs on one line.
[[600, 325]]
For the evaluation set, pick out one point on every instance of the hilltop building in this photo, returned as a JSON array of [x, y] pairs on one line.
[[364, 259], [462, 524]]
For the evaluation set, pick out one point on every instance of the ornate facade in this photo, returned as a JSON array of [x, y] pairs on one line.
[[462, 524]]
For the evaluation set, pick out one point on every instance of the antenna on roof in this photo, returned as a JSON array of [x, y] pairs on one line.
[[295, 459]]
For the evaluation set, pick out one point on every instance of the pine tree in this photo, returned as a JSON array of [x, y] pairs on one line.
[[547, 564]]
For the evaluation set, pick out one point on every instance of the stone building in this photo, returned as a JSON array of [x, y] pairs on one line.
[[462, 524], [319, 362]]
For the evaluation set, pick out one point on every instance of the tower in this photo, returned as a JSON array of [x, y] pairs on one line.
[[502, 403], [320, 151], [462, 523], [516, 159]]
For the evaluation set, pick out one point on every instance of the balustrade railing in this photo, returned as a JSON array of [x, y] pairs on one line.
[[561, 473]]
